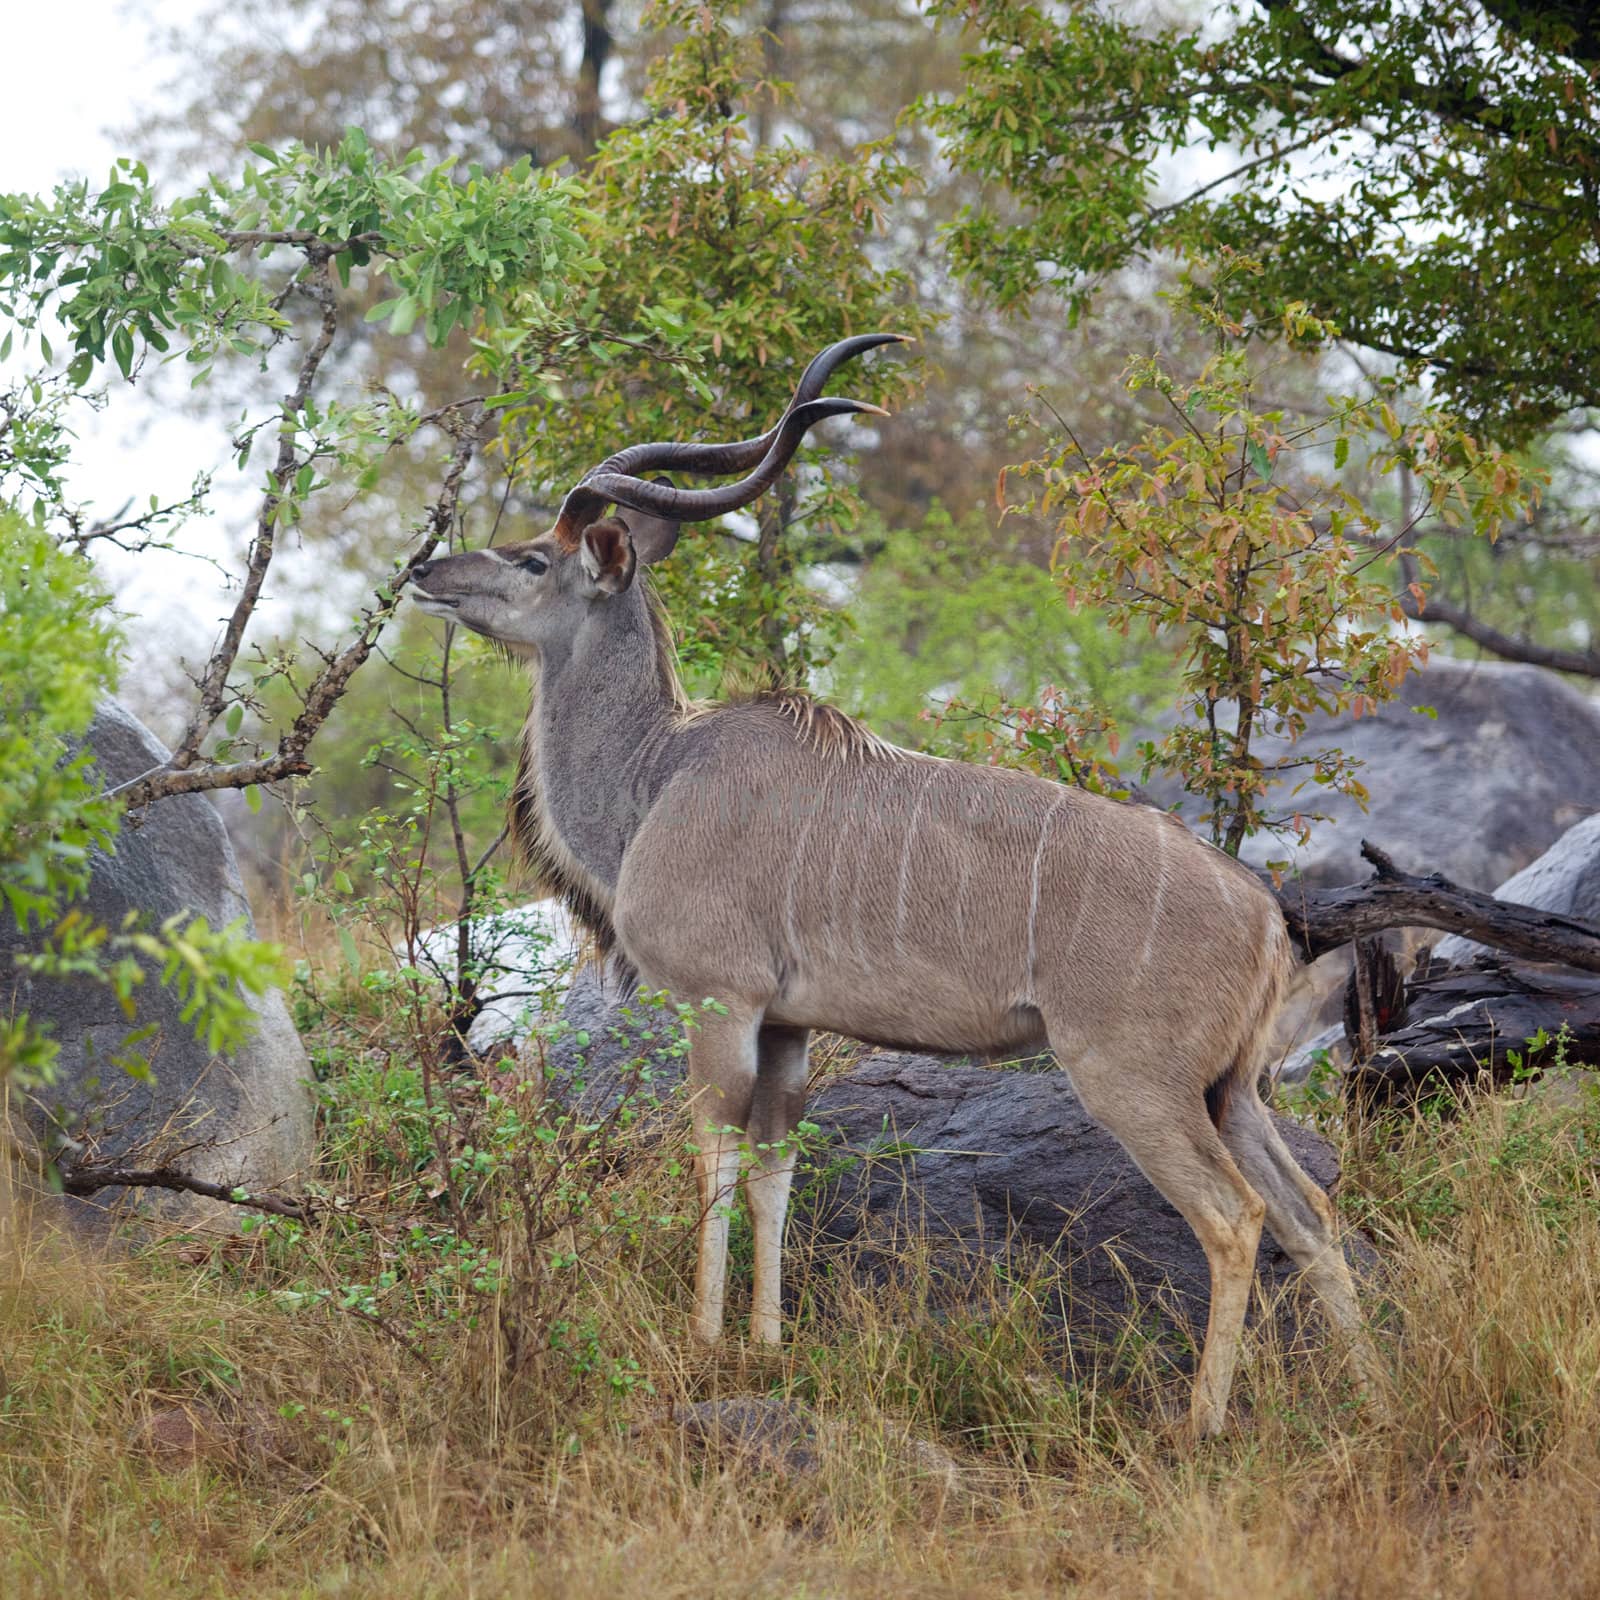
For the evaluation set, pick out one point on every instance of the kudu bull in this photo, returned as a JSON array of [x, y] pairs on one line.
[[772, 854]]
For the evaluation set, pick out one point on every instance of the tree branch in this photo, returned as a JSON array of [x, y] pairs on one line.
[[289, 760], [214, 685], [1509, 647], [1321, 920], [91, 1178]]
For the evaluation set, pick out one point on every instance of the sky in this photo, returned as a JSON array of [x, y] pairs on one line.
[[106, 69]]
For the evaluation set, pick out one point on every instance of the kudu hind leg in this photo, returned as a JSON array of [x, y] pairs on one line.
[[1300, 1216], [722, 1083], [1171, 1138], [779, 1104]]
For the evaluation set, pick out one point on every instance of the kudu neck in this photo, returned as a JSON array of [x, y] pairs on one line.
[[603, 713]]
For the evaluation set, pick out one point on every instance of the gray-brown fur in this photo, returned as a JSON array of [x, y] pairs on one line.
[[774, 856]]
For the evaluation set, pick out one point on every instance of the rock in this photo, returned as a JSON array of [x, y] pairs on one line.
[[1510, 761], [1566, 878], [997, 1156], [766, 1433], [254, 1105], [978, 1157], [239, 1436], [180, 1436], [1331, 1044], [607, 1037], [525, 958]]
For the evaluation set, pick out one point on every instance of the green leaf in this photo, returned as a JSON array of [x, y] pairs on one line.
[[252, 797], [1260, 461], [1341, 452], [234, 719]]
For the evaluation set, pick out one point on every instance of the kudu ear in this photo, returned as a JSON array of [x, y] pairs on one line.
[[607, 555], [653, 537]]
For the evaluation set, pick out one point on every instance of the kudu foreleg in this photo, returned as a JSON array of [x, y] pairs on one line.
[[722, 1084], [779, 1105]]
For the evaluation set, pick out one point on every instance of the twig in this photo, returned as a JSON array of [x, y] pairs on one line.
[[289, 760], [214, 684]]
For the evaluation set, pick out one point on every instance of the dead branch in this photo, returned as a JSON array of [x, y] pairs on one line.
[[1322, 919], [1433, 607], [92, 1177], [1490, 1019]]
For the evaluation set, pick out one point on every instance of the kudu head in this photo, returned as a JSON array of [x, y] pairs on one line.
[[532, 595]]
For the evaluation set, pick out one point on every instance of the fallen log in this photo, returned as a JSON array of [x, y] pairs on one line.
[[1322, 919]]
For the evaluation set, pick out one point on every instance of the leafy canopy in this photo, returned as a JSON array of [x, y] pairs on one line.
[[1423, 173], [749, 257], [1230, 527], [120, 267]]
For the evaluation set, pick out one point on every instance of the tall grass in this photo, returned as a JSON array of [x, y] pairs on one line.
[[380, 1412]]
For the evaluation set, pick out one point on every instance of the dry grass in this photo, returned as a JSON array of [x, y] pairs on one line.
[[361, 1468]]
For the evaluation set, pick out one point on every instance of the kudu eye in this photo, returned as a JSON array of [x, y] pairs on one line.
[[536, 564]]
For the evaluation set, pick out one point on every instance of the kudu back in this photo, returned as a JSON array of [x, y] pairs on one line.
[[773, 855]]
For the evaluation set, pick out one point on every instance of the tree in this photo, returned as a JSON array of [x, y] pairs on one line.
[[1229, 529], [1426, 176], [486, 81], [755, 256], [1428, 171], [126, 278]]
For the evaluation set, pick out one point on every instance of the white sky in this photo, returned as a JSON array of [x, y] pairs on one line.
[[80, 70]]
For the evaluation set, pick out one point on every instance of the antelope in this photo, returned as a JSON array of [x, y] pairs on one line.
[[773, 854]]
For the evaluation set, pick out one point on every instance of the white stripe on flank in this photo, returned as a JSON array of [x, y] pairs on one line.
[[794, 876], [1157, 898], [905, 862], [1223, 876], [1033, 899]]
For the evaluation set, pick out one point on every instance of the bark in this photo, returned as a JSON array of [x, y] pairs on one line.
[[1321, 920], [598, 43], [1434, 607], [1466, 1021]]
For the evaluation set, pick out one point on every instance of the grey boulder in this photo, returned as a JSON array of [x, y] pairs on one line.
[[523, 958], [248, 1115], [1509, 760], [1566, 878], [1502, 761]]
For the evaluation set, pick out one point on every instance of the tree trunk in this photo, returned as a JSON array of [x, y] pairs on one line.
[[597, 47]]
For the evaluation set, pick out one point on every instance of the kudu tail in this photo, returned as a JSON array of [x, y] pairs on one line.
[[1262, 1001]]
